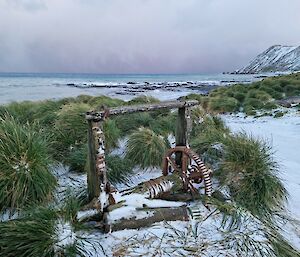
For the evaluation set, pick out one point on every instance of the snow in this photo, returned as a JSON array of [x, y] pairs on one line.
[[284, 135], [82, 215], [133, 202], [65, 236], [8, 215], [275, 58], [103, 198], [138, 177], [203, 235], [127, 212]]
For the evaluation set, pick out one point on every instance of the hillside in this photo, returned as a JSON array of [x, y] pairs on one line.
[[277, 58]]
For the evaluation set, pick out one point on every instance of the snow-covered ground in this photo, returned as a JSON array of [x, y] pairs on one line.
[[204, 236], [284, 136]]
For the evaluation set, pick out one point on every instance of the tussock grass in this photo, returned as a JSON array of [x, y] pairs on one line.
[[77, 158], [23, 112], [249, 98], [143, 99], [46, 232], [118, 168], [244, 164], [130, 122], [70, 128], [252, 175], [25, 176], [145, 148], [29, 236], [207, 137], [112, 134]]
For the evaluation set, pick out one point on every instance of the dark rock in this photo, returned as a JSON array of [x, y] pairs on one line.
[[284, 103]]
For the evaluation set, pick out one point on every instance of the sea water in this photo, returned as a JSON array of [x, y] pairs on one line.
[[40, 86]]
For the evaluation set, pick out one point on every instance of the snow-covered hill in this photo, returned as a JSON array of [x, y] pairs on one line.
[[277, 58]]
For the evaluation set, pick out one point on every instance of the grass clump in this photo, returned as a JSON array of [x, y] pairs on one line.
[[77, 158], [278, 114], [206, 137], [250, 172], [25, 176], [243, 164], [29, 236], [143, 100], [223, 104], [145, 148], [260, 95], [100, 101], [23, 112], [112, 134], [118, 168], [45, 232], [130, 122], [71, 126]]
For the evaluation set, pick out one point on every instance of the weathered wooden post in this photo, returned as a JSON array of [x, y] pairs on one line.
[[182, 130], [96, 175], [92, 177]]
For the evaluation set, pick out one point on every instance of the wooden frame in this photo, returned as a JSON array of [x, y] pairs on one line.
[[97, 179]]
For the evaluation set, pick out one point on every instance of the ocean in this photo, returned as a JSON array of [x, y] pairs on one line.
[[40, 86]]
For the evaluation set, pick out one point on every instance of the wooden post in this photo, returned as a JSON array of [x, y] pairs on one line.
[[181, 135], [92, 178], [96, 176]]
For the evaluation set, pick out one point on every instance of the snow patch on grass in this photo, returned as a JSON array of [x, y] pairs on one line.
[[64, 234]]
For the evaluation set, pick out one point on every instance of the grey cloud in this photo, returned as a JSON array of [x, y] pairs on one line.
[[29, 5], [141, 36]]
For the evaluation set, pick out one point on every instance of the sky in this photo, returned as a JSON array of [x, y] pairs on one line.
[[141, 36]]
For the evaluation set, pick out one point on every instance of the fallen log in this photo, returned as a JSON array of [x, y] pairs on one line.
[[154, 215]]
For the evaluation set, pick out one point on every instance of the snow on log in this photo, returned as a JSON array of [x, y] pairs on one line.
[[150, 216]]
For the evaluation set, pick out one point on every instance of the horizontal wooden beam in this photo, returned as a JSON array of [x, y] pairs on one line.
[[96, 116]]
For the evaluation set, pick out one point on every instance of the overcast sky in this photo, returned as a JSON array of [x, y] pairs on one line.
[[141, 36]]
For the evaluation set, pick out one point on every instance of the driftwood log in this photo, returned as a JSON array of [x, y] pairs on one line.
[[159, 214]]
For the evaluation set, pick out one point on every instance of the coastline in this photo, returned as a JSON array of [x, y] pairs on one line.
[[35, 87]]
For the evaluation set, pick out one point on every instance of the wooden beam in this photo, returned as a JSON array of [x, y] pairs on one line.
[[158, 214], [139, 108]]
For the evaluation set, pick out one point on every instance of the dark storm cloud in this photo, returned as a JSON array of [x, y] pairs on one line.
[[141, 36]]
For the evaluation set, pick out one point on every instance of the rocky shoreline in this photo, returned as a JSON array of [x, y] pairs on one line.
[[136, 88]]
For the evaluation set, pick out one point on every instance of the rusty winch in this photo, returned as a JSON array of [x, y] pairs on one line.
[[192, 169]]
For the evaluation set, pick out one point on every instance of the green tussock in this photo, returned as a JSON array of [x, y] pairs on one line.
[[118, 168], [145, 148], [77, 158], [29, 236], [249, 98], [143, 100], [130, 122], [251, 173], [25, 176], [112, 134], [46, 232], [71, 127], [206, 135], [242, 163]]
